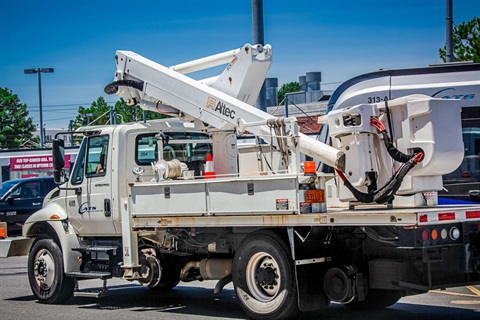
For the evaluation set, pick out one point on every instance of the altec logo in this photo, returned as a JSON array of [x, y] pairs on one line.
[[220, 107]]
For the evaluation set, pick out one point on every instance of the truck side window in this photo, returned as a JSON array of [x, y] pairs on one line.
[[188, 147], [97, 156], [146, 149], [94, 151], [28, 190], [78, 169]]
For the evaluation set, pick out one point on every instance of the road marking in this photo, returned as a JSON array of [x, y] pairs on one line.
[[465, 302], [456, 294], [474, 290]]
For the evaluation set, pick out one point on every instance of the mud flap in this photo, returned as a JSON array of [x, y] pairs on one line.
[[311, 295]]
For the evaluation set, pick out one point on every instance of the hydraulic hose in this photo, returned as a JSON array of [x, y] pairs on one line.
[[112, 88], [387, 192], [396, 154]]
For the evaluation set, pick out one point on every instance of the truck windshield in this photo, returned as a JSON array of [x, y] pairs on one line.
[[5, 187]]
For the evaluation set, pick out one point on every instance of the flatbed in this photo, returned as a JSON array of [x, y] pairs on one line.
[[334, 217]]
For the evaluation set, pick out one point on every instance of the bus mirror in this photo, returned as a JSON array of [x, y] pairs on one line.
[[58, 153]]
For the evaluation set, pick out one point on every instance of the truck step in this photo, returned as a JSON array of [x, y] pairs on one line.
[[91, 293], [95, 248], [89, 275]]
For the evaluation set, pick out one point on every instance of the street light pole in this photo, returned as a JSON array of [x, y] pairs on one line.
[[258, 38], [449, 32], [39, 71]]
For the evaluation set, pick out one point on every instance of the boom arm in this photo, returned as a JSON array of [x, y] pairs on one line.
[[224, 105]]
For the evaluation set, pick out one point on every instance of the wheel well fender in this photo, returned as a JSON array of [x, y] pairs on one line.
[[63, 234], [52, 211]]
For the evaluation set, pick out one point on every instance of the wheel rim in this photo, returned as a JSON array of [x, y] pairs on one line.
[[263, 277], [44, 269]]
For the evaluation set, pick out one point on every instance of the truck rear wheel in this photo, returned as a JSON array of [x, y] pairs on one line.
[[264, 277], [376, 299], [170, 273], [45, 273]]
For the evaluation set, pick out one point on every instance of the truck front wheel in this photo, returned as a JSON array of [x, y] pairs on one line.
[[264, 277], [45, 273]]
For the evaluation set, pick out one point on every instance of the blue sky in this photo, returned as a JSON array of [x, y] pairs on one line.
[[341, 39]]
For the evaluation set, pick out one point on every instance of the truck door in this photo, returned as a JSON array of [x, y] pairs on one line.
[[90, 206]]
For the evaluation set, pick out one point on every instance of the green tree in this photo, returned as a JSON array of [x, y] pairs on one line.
[[99, 113], [287, 88], [15, 126], [134, 113], [466, 42]]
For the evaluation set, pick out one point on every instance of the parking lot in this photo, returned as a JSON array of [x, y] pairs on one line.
[[196, 300]]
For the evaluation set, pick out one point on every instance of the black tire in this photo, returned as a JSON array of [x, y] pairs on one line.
[[170, 273], [376, 299], [46, 273], [264, 277]]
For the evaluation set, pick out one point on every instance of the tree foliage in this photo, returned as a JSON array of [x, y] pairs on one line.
[[287, 88], [15, 126], [466, 42], [99, 113]]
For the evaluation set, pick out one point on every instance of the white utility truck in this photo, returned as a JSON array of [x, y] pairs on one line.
[[176, 199]]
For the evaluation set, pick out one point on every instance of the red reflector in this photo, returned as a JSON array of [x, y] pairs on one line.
[[473, 214], [446, 216], [423, 218], [425, 235]]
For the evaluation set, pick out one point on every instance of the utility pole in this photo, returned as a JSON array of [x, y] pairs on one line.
[[88, 115], [111, 115], [70, 128], [449, 33], [258, 38]]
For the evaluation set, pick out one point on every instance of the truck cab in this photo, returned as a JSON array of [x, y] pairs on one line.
[[94, 189]]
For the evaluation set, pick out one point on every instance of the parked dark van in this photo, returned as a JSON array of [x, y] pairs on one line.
[[20, 198]]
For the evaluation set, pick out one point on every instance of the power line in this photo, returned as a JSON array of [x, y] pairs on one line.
[[68, 105], [57, 110], [67, 118]]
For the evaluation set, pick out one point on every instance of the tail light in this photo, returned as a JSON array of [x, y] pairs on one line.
[[454, 233], [431, 236]]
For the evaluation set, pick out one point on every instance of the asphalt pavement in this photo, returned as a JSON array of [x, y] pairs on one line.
[[196, 300]]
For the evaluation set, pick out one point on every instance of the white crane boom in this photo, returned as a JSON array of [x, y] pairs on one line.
[[225, 105]]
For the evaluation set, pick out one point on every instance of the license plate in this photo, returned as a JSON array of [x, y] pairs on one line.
[[314, 196]]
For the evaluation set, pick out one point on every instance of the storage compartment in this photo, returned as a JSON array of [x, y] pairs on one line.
[[241, 196]]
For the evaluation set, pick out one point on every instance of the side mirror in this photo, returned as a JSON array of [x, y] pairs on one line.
[[12, 197], [58, 153]]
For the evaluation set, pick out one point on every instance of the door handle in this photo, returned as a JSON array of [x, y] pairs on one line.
[[36, 203], [106, 208]]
